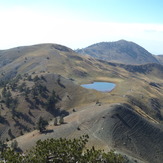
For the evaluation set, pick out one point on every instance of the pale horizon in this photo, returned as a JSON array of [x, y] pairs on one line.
[[80, 23]]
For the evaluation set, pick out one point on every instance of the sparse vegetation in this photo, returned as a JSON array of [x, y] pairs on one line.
[[26, 93], [35, 93]]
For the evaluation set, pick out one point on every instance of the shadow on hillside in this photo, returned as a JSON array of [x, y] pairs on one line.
[[58, 112], [19, 150], [3, 120], [47, 131]]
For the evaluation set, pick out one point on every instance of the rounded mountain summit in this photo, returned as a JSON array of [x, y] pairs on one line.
[[121, 51]]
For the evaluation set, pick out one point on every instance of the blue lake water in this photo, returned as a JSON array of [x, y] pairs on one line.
[[100, 86]]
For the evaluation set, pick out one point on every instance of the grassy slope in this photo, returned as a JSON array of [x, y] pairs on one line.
[[143, 90]]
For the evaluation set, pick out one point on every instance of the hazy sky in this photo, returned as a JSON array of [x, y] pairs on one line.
[[80, 23]]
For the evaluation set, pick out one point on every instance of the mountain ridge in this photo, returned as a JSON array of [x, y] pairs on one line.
[[121, 51], [32, 74]]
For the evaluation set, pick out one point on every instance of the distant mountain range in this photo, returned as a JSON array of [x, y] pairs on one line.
[[121, 52]]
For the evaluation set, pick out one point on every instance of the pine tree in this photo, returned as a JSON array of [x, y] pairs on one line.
[[14, 145], [62, 151], [55, 121], [42, 124], [4, 91], [51, 101], [61, 120], [3, 146]]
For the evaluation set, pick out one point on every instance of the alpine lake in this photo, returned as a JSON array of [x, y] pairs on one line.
[[100, 86]]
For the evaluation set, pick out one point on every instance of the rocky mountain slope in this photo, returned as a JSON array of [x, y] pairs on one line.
[[116, 127], [120, 52], [26, 98], [44, 80]]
